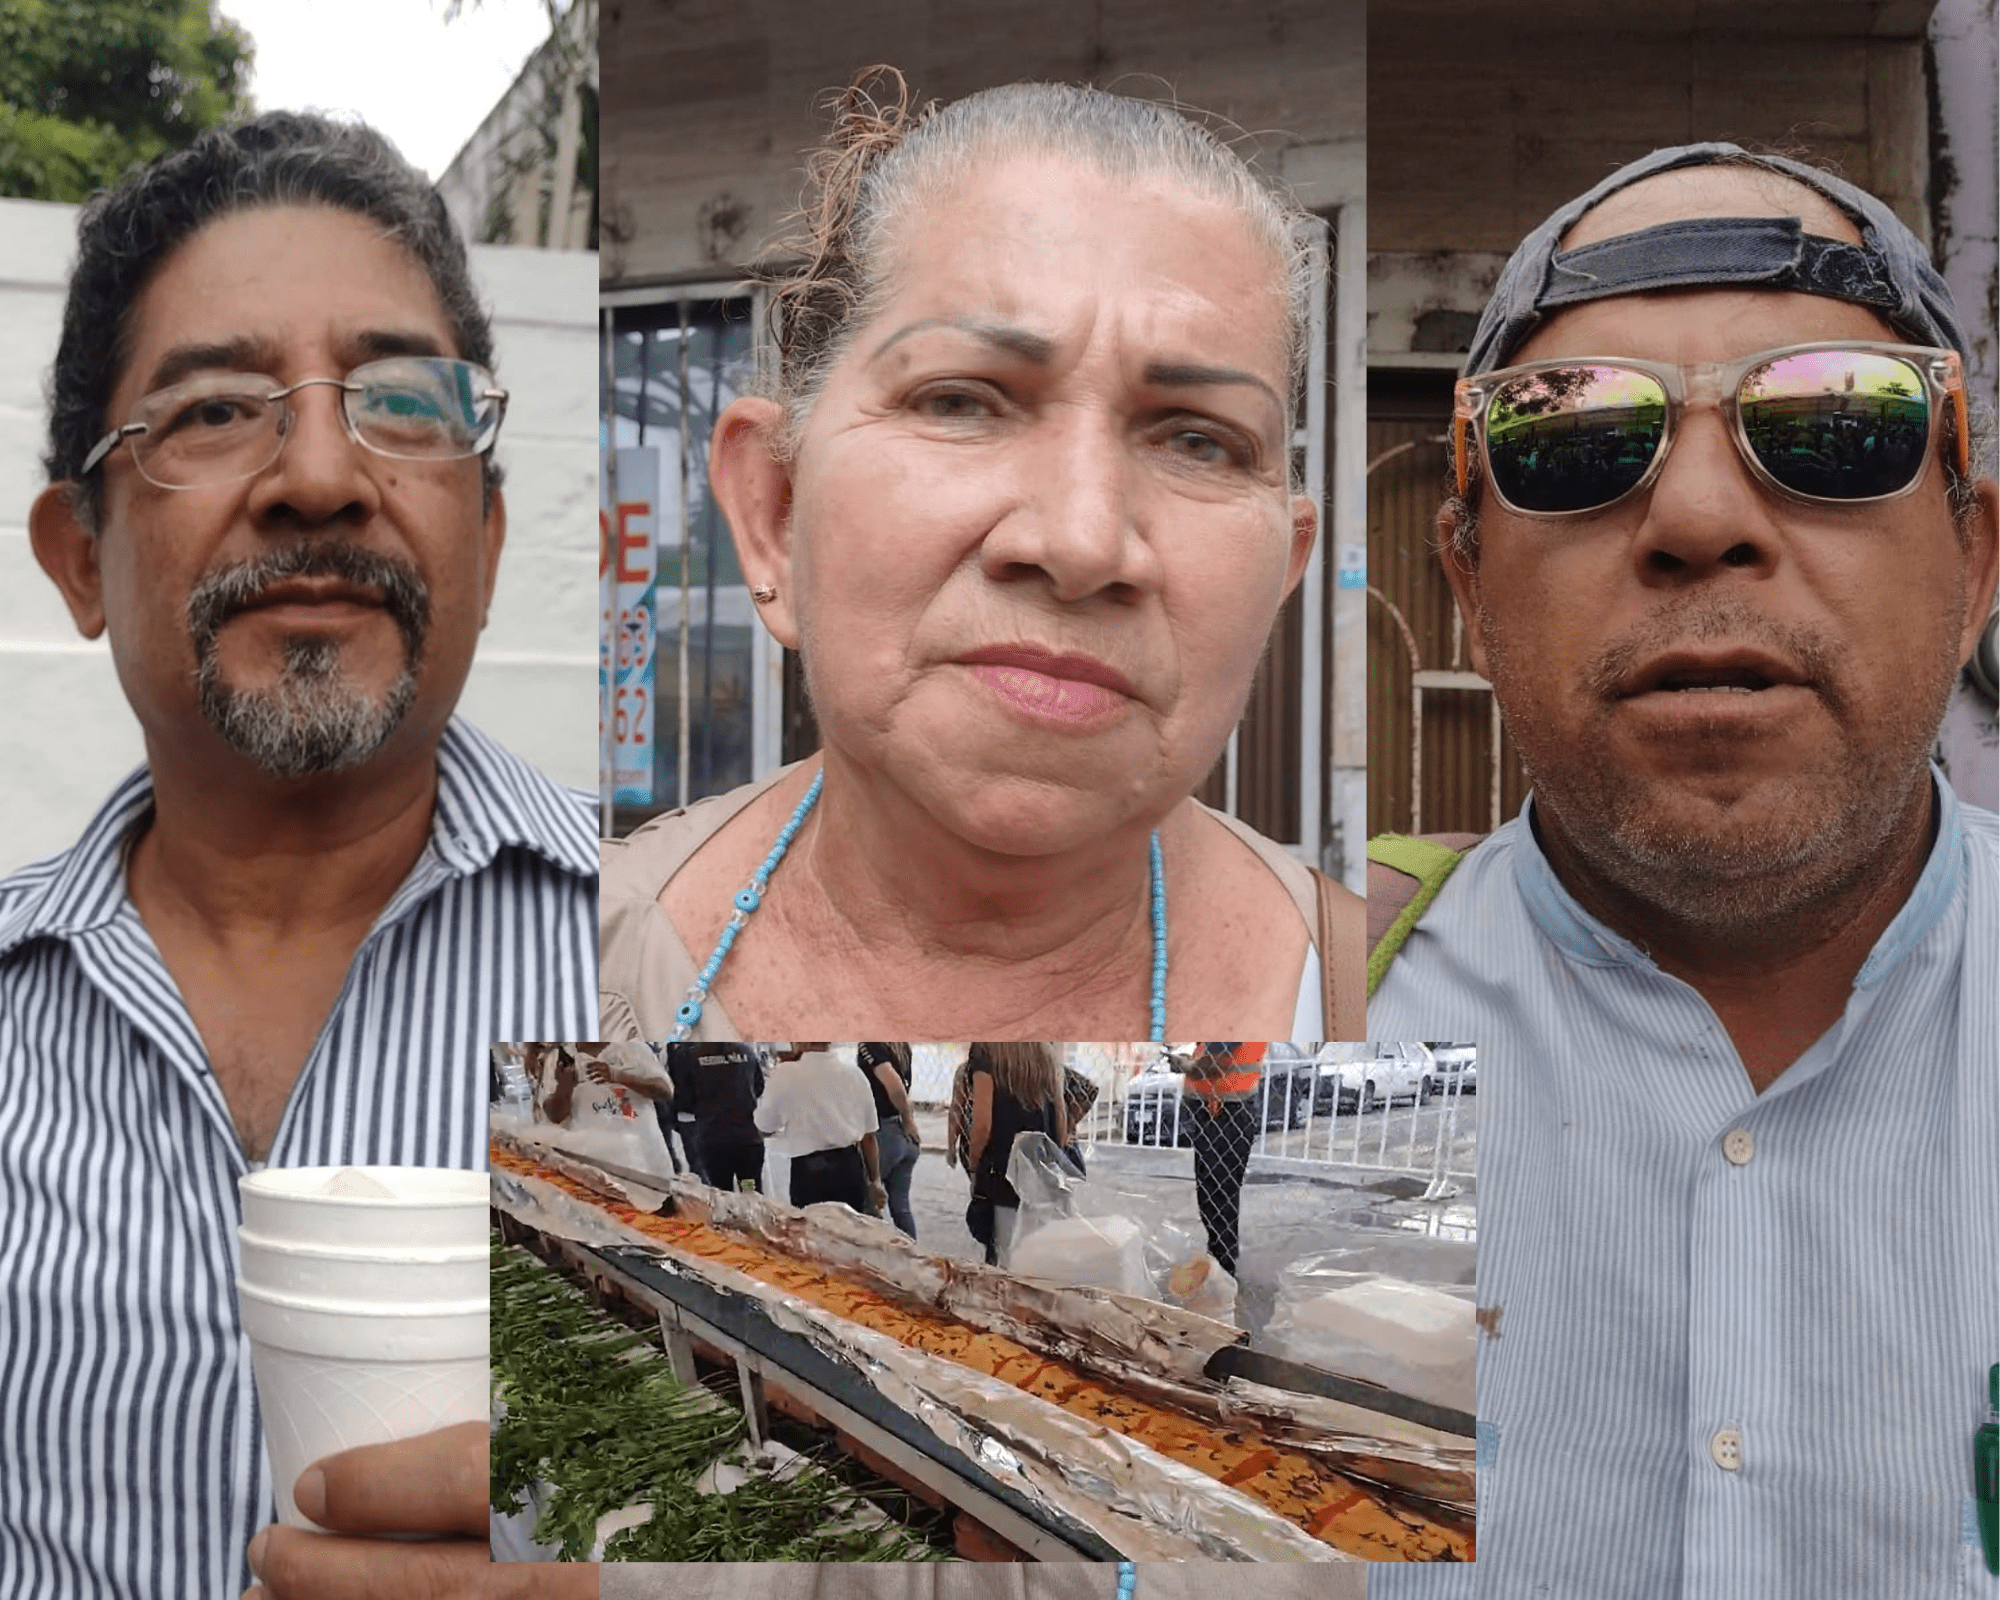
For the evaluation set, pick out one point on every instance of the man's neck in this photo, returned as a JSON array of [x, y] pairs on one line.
[[246, 854], [257, 895], [1777, 983]]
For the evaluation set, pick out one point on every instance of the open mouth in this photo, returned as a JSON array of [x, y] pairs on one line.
[[1735, 672], [1734, 680]]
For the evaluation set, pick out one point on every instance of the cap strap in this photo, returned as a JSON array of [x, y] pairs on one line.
[[1714, 252]]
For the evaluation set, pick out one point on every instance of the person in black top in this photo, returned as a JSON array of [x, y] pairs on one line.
[[720, 1085], [1016, 1089], [888, 1069]]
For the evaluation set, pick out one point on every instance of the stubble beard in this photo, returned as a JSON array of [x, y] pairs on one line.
[[315, 719], [1813, 840]]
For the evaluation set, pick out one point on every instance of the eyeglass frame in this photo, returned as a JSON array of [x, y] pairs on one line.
[[346, 385], [1472, 399]]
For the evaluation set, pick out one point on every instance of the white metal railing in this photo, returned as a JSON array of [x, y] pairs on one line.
[[1309, 1111]]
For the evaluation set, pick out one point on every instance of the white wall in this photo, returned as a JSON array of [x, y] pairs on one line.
[[66, 734]]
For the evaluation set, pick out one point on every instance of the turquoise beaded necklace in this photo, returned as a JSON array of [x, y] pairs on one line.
[[750, 897], [1128, 1574]]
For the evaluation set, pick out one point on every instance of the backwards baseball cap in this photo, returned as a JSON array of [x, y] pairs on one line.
[[1888, 270]]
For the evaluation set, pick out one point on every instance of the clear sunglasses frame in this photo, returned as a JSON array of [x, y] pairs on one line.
[[1720, 384], [161, 406]]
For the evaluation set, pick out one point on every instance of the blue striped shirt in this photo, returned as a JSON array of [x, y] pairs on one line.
[[1739, 1342], [130, 1458]]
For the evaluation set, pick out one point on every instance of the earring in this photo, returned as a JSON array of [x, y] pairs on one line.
[[763, 594]]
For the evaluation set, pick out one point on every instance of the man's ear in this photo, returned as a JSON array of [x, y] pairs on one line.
[[492, 535], [67, 550], [1982, 554], [752, 479], [1305, 524], [1461, 570]]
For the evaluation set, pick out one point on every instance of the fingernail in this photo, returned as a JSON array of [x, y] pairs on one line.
[[309, 1494], [257, 1554]]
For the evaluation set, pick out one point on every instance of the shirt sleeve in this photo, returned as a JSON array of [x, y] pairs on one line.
[[770, 1113]]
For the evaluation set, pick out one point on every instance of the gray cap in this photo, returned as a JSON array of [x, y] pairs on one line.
[[1888, 270]]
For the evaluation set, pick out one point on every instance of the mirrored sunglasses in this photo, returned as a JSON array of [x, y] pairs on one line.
[[219, 427], [1830, 423]]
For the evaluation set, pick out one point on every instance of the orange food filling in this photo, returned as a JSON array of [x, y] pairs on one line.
[[1349, 1515]]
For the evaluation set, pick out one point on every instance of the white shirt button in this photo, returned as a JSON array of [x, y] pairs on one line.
[[1738, 1146], [1727, 1449]]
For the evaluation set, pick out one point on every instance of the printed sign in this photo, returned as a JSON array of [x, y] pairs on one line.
[[628, 558]]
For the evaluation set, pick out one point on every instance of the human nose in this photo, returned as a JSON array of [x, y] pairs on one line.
[[1074, 519], [321, 472], [1705, 510]]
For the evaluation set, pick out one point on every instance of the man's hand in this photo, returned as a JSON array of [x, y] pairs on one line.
[[434, 1484]]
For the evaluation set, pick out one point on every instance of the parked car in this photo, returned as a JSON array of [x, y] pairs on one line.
[[1455, 1061], [1379, 1074], [1293, 1085]]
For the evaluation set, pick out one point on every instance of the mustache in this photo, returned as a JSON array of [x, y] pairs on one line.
[[1700, 620], [225, 591]]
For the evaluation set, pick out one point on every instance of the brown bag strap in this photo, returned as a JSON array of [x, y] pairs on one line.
[[1343, 956]]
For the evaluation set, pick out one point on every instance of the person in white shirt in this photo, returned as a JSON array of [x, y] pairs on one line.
[[819, 1108]]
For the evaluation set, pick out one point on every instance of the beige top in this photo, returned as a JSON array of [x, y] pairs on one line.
[[645, 970]]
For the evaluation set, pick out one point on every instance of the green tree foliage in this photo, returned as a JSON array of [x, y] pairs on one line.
[[87, 90]]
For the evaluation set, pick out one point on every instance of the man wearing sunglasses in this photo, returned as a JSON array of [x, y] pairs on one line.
[[1722, 539], [292, 936]]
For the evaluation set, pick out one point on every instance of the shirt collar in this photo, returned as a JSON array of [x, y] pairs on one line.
[[488, 800], [1581, 936]]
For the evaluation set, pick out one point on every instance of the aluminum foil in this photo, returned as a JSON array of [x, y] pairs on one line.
[[1366, 1444], [1143, 1504]]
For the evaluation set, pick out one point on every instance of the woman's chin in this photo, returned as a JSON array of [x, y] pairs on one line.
[[1034, 817]]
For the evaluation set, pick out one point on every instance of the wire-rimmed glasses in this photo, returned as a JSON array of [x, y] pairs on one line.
[[221, 427]]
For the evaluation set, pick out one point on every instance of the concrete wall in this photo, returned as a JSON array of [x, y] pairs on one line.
[[66, 734], [1483, 117], [708, 103]]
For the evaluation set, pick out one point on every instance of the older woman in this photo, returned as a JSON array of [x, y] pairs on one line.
[[1022, 503]]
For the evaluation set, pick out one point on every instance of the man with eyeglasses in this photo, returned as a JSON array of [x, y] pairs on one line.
[[1721, 536], [292, 936]]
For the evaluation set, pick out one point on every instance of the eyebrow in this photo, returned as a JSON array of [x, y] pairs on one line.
[[1188, 375], [1035, 348], [1039, 350], [250, 354]]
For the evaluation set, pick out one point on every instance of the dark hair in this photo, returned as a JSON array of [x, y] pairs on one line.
[[283, 158]]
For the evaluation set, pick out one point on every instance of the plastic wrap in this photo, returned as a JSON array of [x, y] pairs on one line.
[[1415, 1338], [1113, 1238]]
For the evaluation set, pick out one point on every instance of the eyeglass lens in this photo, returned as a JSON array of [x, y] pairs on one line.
[[226, 425], [1826, 424]]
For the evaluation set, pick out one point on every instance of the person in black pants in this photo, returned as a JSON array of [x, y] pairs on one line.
[[820, 1107], [1221, 1111], [719, 1084]]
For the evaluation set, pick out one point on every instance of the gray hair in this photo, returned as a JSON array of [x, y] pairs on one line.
[[883, 159], [283, 158]]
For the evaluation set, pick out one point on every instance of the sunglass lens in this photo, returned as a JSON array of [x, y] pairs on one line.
[[1838, 424], [1573, 438]]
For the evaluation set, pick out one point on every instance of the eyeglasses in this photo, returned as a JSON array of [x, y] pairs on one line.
[[1829, 423], [221, 427]]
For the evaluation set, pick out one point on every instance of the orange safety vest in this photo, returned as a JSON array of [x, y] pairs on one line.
[[1231, 1085]]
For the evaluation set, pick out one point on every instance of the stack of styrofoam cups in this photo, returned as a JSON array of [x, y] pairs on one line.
[[365, 1295]]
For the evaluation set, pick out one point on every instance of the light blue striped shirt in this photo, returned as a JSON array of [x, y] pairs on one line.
[[1740, 1342], [130, 1458]]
